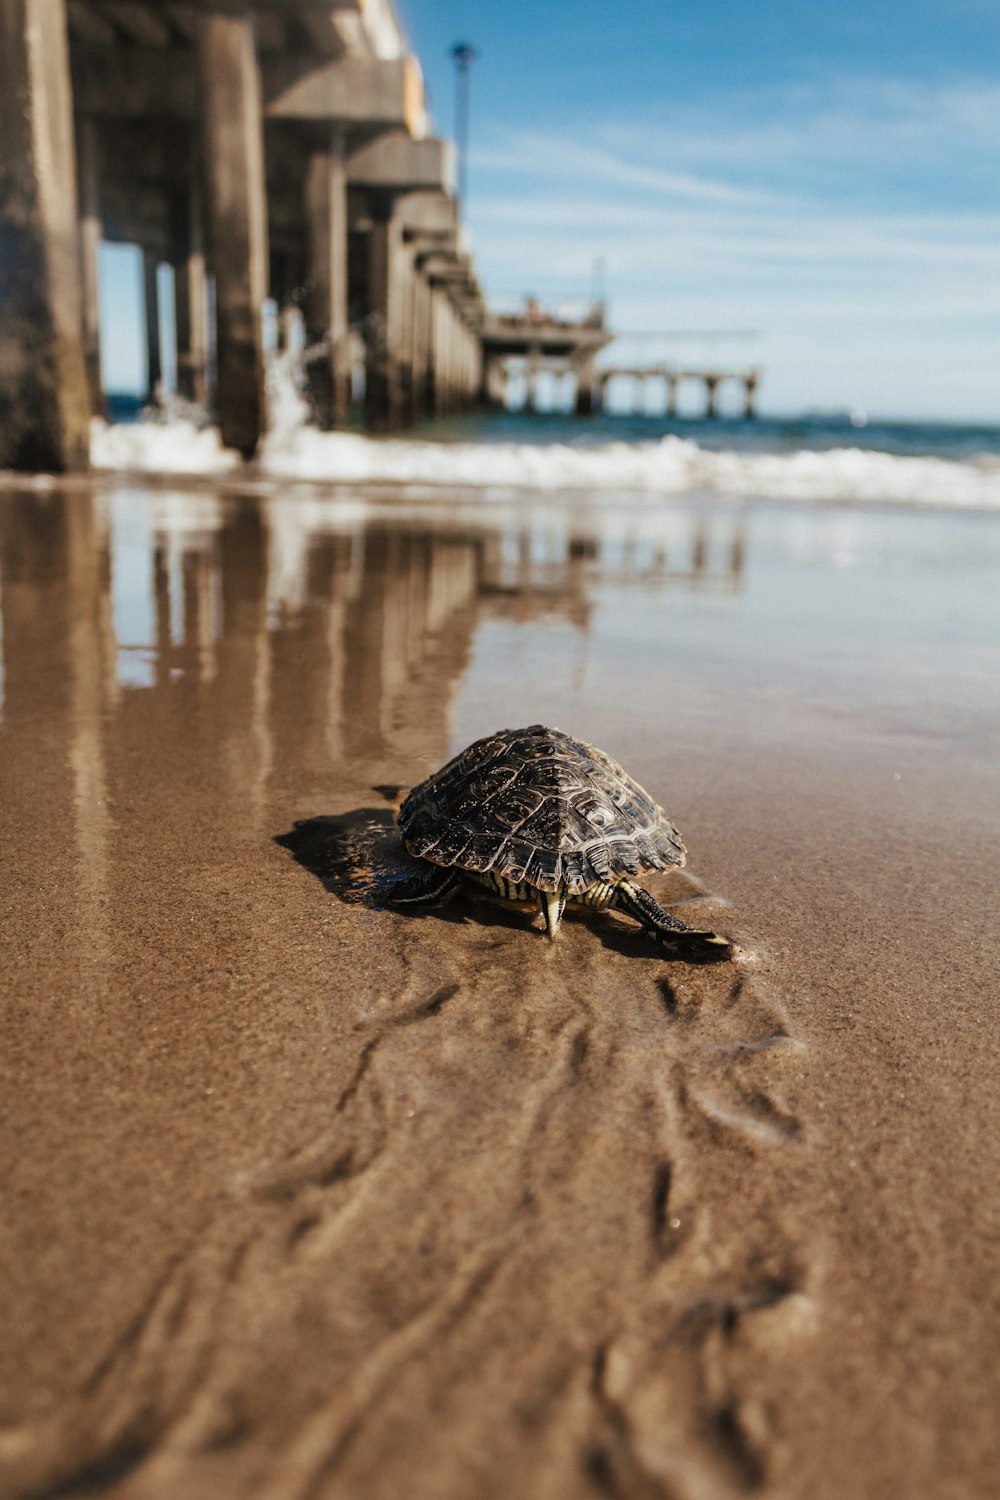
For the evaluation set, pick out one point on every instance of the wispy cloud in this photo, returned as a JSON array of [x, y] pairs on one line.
[[658, 239], [869, 123], [853, 140], [567, 159]]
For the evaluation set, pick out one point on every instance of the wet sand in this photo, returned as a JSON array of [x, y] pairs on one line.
[[304, 1199]]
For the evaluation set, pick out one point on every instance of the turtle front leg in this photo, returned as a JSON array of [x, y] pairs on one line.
[[668, 931], [552, 904], [422, 892]]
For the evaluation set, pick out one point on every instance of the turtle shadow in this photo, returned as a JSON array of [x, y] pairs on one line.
[[632, 942], [359, 857]]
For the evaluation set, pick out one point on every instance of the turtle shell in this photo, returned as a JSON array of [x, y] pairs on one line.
[[539, 806]]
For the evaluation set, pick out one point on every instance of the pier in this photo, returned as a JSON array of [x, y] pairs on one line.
[[274, 161], [269, 154], [666, 381], [535, 339]]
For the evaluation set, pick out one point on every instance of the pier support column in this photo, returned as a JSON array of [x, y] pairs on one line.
[[191, 310], [531, 385], [435, 372], [44, 397], [585, 391], [750, 396], [672, 383], [383, 387], [447, 355], [407, 318], [444, 393], [151, 301], [712, 396], [326, 302], [492, 382], [88, 168], [465, 363], [420, 353], [432, 371], [234, 161]]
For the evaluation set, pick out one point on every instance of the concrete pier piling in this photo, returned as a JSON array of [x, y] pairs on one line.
[[670, 379], [536, 340], [325, 302], [233, 145], [384, 377], [191, 304], [88, 169], [151, 307], [44, 396]]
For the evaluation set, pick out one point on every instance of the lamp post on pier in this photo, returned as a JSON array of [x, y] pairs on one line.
[[464, 55]]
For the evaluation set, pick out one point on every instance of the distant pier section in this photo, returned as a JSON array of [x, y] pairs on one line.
[[519, 348], [533, 340], [664, 382]]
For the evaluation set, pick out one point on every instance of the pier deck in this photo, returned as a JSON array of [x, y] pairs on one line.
[[535, 339]]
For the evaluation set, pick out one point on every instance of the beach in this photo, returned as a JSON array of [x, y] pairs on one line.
[[313, 1200]]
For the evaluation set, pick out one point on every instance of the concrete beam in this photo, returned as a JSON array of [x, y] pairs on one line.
[[396, 161], [206, 7], [138, 213], [346, 90], [429, 214], [44, 399], [87, 25], [442, 266], [160, 83], [325, 305], [139, 23], [324, 34]]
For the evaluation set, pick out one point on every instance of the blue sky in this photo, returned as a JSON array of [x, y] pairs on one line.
[[829, 175]]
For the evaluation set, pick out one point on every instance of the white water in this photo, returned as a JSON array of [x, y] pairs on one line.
[[175, 443]]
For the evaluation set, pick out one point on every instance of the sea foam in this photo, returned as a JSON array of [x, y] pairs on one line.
[[672, 466]]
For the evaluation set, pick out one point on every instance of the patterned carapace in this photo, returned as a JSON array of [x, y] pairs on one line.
[[537, 806]]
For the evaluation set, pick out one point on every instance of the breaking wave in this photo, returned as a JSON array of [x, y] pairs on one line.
[[178, 440], [671, 466]]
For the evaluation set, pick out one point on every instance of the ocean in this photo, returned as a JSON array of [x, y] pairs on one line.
[[809, 459]]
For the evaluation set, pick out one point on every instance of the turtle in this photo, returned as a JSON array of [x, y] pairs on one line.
[[540, 819]]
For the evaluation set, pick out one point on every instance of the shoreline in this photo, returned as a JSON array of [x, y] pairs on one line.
[[251, 481]]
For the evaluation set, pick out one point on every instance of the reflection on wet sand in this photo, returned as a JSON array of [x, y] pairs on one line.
[[300, 632], [59, 683], [250, 641]]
